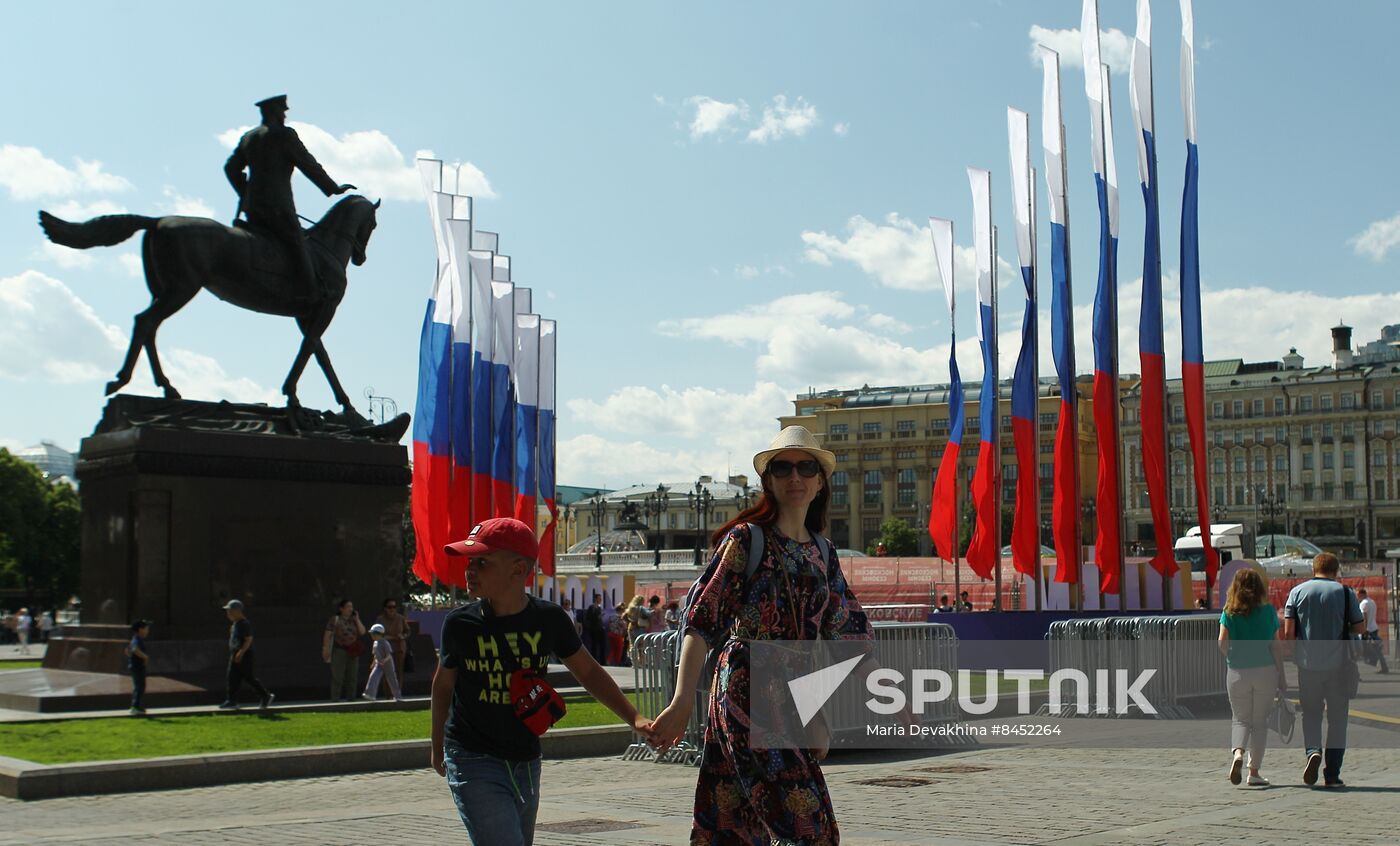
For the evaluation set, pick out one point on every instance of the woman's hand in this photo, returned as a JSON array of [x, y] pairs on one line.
[[669, 726]]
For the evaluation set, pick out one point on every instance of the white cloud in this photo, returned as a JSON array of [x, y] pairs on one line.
[[841, 129], [897, 253], [715, 117], [1378, 239], [696, 412], [176, 203], [371, 161], [757, 323], [886, 323], [65, 257], [595, 460], [48, 333], [746, 271], [131, 263], [781, 120], [1115, 47], [752, 271], [28, 175]]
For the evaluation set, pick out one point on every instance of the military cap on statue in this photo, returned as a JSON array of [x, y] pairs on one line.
[[277, 102]]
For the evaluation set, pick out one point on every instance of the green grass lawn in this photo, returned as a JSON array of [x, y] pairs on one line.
[[20, 665], [108, 739]]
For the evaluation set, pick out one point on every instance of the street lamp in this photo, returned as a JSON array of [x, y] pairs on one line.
[[1219, 512], [656, 504], [599, 511], [1269, 506], [701, 500]]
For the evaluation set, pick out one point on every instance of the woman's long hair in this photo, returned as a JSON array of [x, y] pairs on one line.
[[765, 511], [1246, 593]]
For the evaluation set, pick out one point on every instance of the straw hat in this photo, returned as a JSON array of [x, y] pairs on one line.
[[795, 437]]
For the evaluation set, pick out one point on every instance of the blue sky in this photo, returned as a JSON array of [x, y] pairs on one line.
[[720, 205]]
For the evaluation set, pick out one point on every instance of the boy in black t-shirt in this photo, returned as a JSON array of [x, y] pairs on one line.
[[136, 661], [491, 758], [241, 664]]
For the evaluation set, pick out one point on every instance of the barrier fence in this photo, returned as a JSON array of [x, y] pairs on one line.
[[655, 660], [1181, 649]]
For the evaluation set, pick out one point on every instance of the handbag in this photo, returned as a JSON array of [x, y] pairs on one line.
[[537, 704], [355, 649], [1281, 718]]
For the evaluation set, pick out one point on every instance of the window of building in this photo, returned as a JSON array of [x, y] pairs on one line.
[[904, 428], [840, 490], [1179, 413], [1219, 438], [1239, 462], [1047, 447], [1348, 401], [1220, 494], [1380, 489], [1280, 434], [1179, 468], [1328, 430], [938, 451], [1008, 472], [1328, 460], [673, 519], [1305, 403], [870, 456], [1348, 429], [1178, 440], [838, 429], [1307, 432], [1219, 466], [1307, 459], [1378, 458], [1348, 460], [1281, 491], [1278, 405], [1239, 494], [1257, 408], [1048, 419], [870, 526], [905, 454], [870, 427], [842, 457], [1280, 462], [904, 487], [1378, 399], [1324, 402], [1329, 491], [1237, 408], [1261, 463], [1307, 491], [1258, 436], [1217, 409], [1047, 471], [1348, 490], [871, 494]]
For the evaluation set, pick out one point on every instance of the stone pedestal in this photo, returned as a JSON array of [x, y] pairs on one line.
[[187, 505]]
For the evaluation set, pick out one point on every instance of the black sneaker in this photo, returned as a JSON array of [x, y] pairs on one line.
[[1334, 783], [1310, 771], [267, 701]]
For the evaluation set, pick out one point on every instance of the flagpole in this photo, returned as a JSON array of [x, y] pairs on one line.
[[1111, 178], [996, 431]]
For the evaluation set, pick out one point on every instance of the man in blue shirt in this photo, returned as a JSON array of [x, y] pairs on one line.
[[1323, 616]]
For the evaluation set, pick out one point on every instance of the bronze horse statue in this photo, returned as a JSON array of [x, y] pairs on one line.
[[183, 255]]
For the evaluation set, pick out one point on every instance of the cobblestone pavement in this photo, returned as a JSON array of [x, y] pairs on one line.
[[988, 795]]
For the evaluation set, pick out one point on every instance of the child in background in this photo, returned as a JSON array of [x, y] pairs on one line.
[[383, 666], [136, 661]]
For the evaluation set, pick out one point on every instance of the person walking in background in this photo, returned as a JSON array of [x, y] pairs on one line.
[[656, 617], [796, 592], [1254, 674], [23, 625], [1322, 615], [673, 616], [594, 633], [241, 664], [136, 660], [617, 637], [46, 625], [396, 633], [638, 618], [1371, 634], [944, 607], [341, 647], [382, 667]]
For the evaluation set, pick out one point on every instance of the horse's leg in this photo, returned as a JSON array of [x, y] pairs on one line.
[[132, 351], [289, 387], [162, 308], [323, 359]]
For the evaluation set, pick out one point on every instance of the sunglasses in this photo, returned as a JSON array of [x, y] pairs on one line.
[[780, 469], [391, 605]]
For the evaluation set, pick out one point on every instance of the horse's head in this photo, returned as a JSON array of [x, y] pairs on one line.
[[351, 219]]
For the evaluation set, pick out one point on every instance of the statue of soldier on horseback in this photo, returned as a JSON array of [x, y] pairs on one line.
[[265, 263]]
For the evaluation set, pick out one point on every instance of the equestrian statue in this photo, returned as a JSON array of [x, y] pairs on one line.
[[264, 263]]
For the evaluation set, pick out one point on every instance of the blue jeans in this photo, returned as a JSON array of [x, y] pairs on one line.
[[497, 799]]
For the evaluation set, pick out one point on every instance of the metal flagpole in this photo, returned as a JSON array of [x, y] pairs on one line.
[[996, 424]]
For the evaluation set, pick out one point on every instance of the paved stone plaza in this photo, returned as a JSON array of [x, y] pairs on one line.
[[990, 795]]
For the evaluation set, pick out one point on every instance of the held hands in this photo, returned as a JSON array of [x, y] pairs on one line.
[[668, 727], [439, 764]]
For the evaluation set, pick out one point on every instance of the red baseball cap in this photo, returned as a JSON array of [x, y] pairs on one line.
[[503, 533]]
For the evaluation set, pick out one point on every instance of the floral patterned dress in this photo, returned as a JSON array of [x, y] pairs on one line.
[[764, 796]]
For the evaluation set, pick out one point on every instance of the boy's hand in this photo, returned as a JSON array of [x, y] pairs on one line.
[[438, 763]]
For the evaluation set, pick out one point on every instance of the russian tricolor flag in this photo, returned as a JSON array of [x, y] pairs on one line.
[[943, 510], [1025, 528], [480, 260], [1192, 351], [503, 399], [1065, 504], [548, 343], [1108, 549], [984, 552], [1151, 347], [527, 384]]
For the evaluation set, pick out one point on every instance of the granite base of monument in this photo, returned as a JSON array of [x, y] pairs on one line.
[[187, 505]]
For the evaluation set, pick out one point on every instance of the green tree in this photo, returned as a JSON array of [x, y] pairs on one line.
[[897, 537], [40, 531]]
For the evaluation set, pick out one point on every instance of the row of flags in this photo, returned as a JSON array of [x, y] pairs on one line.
[[984, 551], [483, 433]]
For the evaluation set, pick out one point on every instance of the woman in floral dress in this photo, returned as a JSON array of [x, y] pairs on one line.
[[759, 797]]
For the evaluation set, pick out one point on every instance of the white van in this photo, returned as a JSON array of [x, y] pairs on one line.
[[1228, 539]]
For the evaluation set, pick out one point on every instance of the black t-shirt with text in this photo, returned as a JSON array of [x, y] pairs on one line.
[[479, 646], [239, 632]]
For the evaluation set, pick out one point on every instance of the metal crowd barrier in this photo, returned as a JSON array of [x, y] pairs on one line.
[[655, 660], [1181, 648]]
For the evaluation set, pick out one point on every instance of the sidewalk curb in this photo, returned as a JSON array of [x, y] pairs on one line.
[[28, 781]]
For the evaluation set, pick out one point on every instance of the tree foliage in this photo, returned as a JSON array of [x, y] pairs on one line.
[[40, 531], [897, 537]]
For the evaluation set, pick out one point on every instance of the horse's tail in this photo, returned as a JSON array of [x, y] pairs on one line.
[[104, 231]]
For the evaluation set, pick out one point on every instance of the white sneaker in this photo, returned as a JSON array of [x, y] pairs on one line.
[[1257, 781], [366, 697]]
